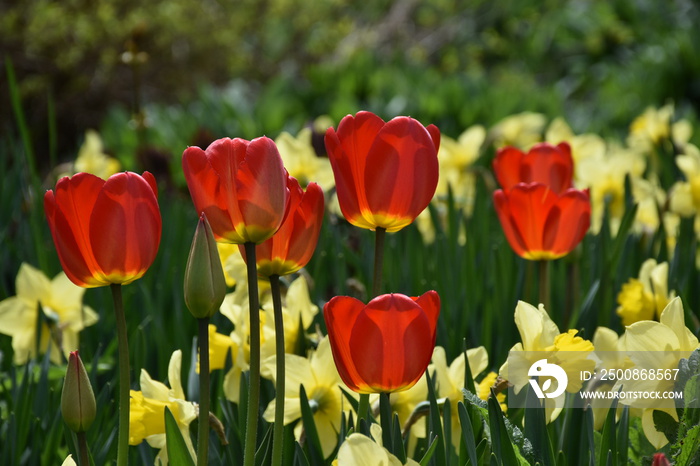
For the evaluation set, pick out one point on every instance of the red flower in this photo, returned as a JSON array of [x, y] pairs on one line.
[[292, 246], [384, 346], [539, 223], [241, 186], [105, 232], [545, 163], [385, 173]]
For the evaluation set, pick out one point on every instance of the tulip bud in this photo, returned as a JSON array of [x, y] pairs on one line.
[[660, 460], [205, 285], [77, 399]]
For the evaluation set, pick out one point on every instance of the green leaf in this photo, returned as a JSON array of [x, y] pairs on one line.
[[623, 435], [536, 430], [664, 422], [689, 447], [429, 452], [467, 433], [501, 443], [399, 448], [608, 441], [434, 425], [178, 453], [313, 443]]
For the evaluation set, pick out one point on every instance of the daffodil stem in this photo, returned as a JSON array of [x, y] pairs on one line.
[[544, 283], [83, 449], [254, 377], [378, 261], [124, 376], [203, 428], [278, 434]]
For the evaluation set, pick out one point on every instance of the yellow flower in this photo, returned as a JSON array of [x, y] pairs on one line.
[[651, 127], [483, 389], [541, 339], [654, 346], [583, 146], [69, 461], [646, 297], [63, 315], [689, 164], [92, 159], [301, 161], [297, 307], [322, 384], [521, 130], [360, 450], [147, 410], [450, 379], [605, 177], [233, 264]]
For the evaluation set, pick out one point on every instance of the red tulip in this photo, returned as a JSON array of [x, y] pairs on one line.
[[385, 173], [292, 246], [384, 346], [105, 232], [544, 163], [241, 186], [539, 223]]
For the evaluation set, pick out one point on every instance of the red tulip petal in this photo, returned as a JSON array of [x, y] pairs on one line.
[[549, 165], [340, 314], [503, 209], [430, 303], [67, 211], [568, 222], [261, 188], [209, 188], [347, 150], [125, 227], [506, 166], [435, 135], [401, 174], [307, 226], [389, 343]]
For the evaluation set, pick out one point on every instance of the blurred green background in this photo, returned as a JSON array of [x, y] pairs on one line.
[[255, 67]]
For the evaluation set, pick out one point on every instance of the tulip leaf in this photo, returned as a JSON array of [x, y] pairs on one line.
[[467, 432], [313, 443], [300, 458], [536, 430], [429, 452], [178, 453], [434, 426], [501, 443], [399, 448], [447, 429], [264, 451], [623, 425], [608, 441]]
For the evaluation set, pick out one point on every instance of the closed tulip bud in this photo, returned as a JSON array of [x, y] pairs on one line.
[[205, 285], [77, 399]]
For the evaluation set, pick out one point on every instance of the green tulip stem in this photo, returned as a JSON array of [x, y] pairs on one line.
[[124, 382], [203, 428], [278, 434], [544, 284], [83, 450], [378, 261], [362, 411], [254, 379]]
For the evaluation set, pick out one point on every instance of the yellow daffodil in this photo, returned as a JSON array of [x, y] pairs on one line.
[[657, 346], [651, 127], [63, 315], [455, 158], [233, 264], [69, 461], [297, 309], [583, 146], [92, 159], [220, 346], [650, 198], [646, 297], [540, 339], [360, 450], [322, 383], [605, 177], [301, 161], [450, 380], [483, 389], [147, 410], [689, 165], [521, 130]]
